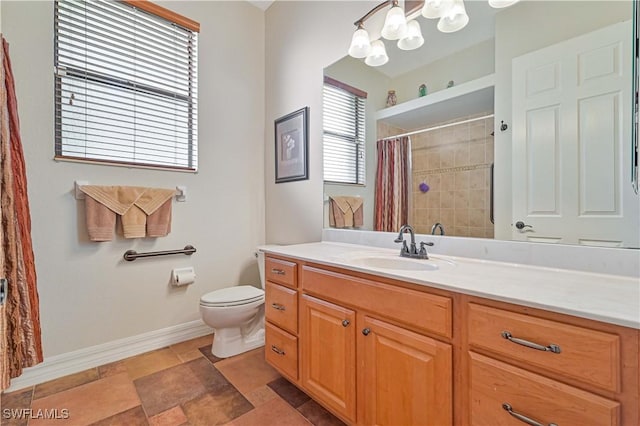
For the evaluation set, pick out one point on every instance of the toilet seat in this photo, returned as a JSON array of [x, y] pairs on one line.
[[232, 296]]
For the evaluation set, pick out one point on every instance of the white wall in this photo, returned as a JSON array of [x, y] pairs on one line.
[[526, 27], [88, 294], [302, 37], [466, 65], [356, 73]]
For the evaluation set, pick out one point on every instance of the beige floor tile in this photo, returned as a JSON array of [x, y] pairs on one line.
[[64, 383], [90, 402], [261, 395], [112, 369], [276, 412], [248, 371], [172, 417], [211, 410], [190, 355], [189, 345], [150, 362]]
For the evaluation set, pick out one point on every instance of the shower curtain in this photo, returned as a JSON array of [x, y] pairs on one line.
[[20, 343], [392, 184]]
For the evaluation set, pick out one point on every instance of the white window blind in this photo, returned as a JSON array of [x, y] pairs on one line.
[[126, 86], [344, 133]]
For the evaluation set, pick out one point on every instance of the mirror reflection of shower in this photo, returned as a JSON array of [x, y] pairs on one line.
[[450, 180]]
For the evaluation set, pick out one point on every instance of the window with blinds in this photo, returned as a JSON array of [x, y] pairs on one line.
[[125, 84], [343, 133]]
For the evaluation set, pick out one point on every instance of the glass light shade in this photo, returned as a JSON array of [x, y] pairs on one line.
[[378, 55], [498, 4], [395, 25], [433, 9], [413, 39], [454, 19], [360, 44]]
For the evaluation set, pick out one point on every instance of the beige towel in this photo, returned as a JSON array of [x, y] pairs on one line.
[[116, 198], [156, 204], [345, 212], [159, 222], [100, 220]]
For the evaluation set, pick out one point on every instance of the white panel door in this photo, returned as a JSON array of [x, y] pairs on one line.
[[572, 142]]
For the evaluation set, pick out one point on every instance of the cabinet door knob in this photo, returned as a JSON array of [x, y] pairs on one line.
[[278, 306], [277, 271], [345, 323], [277, 350], [366, 331]]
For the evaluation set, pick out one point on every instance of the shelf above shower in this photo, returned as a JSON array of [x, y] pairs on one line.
[[465, 99]]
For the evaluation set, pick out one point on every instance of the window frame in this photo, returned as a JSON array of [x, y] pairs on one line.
[[358, 142], [111, 81]]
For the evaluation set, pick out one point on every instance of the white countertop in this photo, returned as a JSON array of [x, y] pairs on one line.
[[608, 298]]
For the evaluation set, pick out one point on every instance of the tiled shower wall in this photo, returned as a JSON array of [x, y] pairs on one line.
[[455, 162]]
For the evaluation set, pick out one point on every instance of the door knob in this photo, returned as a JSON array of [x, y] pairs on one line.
[[366, 331], [521, 225], [345, 323]]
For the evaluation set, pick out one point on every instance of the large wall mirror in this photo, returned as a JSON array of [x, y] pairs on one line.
[[523, 128]]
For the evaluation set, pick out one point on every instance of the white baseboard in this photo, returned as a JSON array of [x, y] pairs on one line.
[[94, 356]]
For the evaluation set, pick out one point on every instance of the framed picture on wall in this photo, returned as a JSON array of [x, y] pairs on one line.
[[292, 146]]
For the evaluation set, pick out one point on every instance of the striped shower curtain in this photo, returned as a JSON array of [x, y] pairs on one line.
[[20, 344], [392, 184]]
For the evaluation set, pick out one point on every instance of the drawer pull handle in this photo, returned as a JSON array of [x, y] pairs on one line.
[[551, 348], [277, 350], [509, 409], [366, 331], [345, 323], [277, 271], [278, 306]]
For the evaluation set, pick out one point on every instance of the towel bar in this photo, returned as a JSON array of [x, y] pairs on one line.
[[131, 255]]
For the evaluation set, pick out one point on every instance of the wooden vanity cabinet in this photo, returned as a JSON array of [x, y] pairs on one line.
[[281, 315], [376, 351], [548, 367], [354, 329]]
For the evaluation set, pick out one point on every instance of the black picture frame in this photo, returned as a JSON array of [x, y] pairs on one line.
[[292, 146]]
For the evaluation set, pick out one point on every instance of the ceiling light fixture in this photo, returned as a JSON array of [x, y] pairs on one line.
[[451, 14]]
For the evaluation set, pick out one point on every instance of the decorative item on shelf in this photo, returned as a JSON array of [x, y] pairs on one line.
[[424, 187], [451, 14], [422, 90], [391, 98], [450, 84]]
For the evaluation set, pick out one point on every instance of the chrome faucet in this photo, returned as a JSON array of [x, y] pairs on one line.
[[411, 250], [435, 227]]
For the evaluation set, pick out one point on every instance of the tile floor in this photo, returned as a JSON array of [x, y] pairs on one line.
[[183, 384]]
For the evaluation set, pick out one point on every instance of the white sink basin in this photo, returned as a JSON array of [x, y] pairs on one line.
[[397, 262]]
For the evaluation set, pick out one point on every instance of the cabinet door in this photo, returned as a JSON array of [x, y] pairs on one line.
[[328, 354], [406, 377]]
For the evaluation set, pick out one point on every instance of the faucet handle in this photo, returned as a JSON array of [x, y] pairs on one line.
[[423, 250]]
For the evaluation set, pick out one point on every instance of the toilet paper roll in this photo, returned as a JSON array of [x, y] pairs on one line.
[[183, 276]]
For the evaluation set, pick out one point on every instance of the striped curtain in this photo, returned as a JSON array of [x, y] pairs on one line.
[[392, 184], [20, 344]]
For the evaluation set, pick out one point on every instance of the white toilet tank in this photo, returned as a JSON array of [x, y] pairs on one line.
[[260, 256]]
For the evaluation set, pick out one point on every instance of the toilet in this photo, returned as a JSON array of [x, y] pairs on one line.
[[237, 316]]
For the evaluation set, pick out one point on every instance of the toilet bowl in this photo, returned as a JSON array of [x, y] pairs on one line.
[[237, 316]]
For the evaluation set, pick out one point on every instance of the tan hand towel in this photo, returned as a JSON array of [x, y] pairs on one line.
[[157, 203], [100, 220], [134, 223], [117, 198], [356, 204], [338, 215], [159, 222], [153, 198]]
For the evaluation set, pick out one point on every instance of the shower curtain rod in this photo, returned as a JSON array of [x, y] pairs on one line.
[[442, 126]]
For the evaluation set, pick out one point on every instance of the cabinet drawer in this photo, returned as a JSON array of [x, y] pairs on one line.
[[588, 356], [281, 350], [417, 309], [281, 272], [281, 307], [496, 387]]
